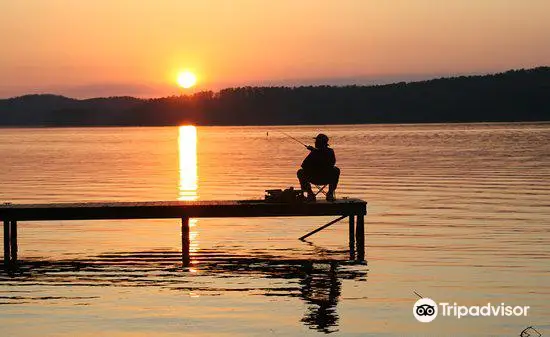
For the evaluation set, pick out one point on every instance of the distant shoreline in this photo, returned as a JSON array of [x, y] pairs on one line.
[[512, 96], [271, 125]]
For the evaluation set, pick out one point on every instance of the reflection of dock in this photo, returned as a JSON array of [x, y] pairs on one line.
[[355, 209], [270, 273]]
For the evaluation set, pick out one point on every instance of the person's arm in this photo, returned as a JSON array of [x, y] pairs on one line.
[[331, 157], [308, 162]]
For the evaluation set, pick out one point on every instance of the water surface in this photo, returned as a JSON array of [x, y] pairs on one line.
[[458, 213]]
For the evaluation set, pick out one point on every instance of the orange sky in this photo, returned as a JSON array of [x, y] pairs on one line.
[[116, 47]]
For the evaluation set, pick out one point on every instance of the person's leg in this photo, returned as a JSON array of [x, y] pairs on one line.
[[304, 184], [304, 181], [334, 177]]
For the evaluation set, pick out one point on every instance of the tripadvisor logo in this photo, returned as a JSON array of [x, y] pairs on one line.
[[426, 310]]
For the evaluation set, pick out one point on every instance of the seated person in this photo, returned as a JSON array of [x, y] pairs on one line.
[[318, 168]]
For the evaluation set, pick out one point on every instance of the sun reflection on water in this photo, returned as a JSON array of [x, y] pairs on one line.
[[187, 142], [187, 149]]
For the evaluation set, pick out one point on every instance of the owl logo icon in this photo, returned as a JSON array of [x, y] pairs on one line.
[[425, 310]]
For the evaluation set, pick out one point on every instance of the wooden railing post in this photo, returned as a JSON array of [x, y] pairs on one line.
[[185, 242]]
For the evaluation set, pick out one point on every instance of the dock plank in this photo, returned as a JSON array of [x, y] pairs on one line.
[[177, 209]]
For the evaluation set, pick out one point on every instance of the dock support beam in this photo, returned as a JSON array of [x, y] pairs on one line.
[[322, 227], [13, 243], [356, 235], [185, 242], [360, 237], [352, 237], [7, 249], [10, 244]]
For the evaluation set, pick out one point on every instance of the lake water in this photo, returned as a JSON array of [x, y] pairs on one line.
[[457, 213]]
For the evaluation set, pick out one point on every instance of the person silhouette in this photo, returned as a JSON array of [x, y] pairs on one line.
[[318, 168]]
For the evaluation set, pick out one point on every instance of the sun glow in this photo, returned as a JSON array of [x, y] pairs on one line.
[[187, 79]]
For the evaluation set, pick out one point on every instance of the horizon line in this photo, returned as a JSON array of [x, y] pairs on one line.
[[336, 83]]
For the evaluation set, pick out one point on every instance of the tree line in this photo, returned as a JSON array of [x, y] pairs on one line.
[[516, 95]]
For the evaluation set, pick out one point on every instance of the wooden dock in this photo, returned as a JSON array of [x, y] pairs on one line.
[[354, 209]]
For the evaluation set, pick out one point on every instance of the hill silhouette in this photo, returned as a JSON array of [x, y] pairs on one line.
[[516, 95]]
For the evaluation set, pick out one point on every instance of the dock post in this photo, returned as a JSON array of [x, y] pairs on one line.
[[360, 237], [352, 237], [13, 243], [185, 242], [7, 240]]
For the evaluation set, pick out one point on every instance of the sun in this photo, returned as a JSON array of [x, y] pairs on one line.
[[186, 79]]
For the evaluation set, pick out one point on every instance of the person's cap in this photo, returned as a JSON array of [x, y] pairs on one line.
[[322, 138]]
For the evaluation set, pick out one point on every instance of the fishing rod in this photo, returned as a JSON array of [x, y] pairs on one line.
[[286, 134]]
